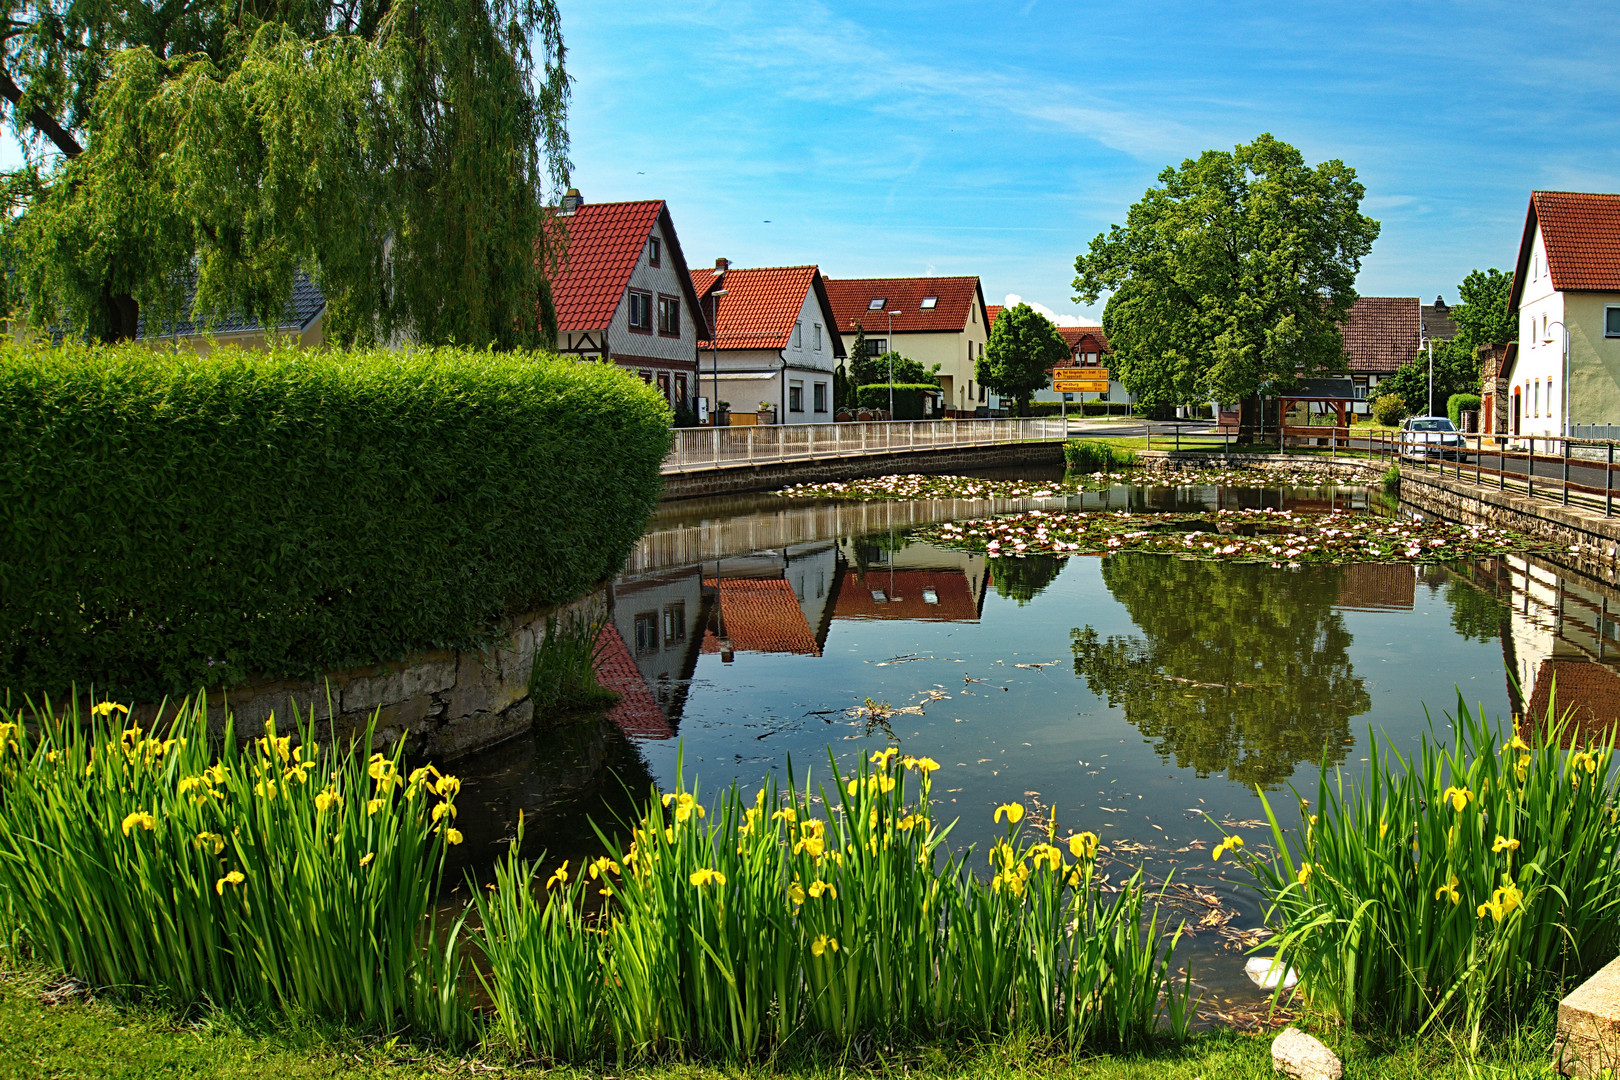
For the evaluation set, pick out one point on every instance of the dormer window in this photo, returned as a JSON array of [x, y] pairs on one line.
[[655, 252], [877, 303], [930, 302]]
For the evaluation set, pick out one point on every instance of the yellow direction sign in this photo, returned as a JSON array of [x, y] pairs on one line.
[[1088, 380]]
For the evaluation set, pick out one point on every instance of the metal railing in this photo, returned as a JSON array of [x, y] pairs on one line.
[[697, 449]]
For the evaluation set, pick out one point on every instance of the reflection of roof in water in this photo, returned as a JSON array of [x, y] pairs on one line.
[[1591, 690], [761, 616], [636, 712], [906, 596], [1378, 587]]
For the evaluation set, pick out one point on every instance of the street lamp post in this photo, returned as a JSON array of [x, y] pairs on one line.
[[891, 364], [714, 351]]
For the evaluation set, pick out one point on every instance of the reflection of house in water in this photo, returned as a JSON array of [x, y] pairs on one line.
[[771, 601], [1378, 587], [917, 582], [1560, 629], [659, 619]]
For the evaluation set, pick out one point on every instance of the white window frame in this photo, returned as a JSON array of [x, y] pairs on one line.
[[818, 337], [798, 334], [796, 395], [1606, 331]]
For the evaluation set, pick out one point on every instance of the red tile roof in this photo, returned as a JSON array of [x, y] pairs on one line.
[[636, 712], [991, 311], [1377, 587], [761, 305], [1581, 232], [852, 298], [1084, 339], [1590, 691], [1382, 333], [761, 616], [605, 241], [903, 596]]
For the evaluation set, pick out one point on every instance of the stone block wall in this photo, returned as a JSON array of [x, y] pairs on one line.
[[447, 702]]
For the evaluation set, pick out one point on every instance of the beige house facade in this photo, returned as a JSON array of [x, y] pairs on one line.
[[933, 320]]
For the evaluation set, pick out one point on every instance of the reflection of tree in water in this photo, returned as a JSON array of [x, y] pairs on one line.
[[1476, 614], [1240, 668], [1022, 579]]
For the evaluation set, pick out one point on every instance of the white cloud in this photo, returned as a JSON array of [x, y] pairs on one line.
[[1013, 300]]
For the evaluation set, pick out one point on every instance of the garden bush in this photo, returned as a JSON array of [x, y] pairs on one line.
[[728, 936], [174, 521], [1389, 409], [1462, 884], [278, 877], [1457, 404], [908, 398]]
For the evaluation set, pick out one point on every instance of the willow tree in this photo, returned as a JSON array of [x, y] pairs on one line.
[[399, 153]]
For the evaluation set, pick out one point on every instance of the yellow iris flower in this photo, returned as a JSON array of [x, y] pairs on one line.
[[823, 944], [1083, 845], [705, 876], [1306, 870], [882, 758], [1231, 843], [1504, 844], [233, 878], [140, 819], [1458, 797], [1014, 812], [1449, 891], [795, 893], [558, 876], [822, 888]]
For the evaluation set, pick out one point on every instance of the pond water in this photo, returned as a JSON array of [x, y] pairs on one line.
[[1143, 697]]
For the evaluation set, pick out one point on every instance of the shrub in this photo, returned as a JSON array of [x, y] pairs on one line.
[[280, 876], [1463, 883], [1094, 455], [564, 673], [908, 398], [732, 934], [175, 521], [1392, 480], [1389, 409], [1457, 404]]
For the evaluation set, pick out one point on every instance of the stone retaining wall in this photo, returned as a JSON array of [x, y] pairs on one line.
[[447, 701], [736, 480], [1354, 470], [1587, 542]]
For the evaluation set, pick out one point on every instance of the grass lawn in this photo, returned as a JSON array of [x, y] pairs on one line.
[[94, 1038]]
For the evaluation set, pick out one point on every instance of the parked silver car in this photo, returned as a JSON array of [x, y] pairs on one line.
[[1430, 436]]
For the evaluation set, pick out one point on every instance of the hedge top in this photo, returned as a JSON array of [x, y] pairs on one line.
[[172, 521]]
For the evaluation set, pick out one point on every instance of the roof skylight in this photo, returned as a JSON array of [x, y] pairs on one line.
[[929, 302], [877, 303]]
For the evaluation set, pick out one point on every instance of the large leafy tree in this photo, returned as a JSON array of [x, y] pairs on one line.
[[1247, 673], [1230, 279], [1482, 316], [397, 151], [875, 370], [1023, 348]]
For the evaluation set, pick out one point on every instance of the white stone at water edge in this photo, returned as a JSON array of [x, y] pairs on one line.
[[1296, 1054], [1266, 973]]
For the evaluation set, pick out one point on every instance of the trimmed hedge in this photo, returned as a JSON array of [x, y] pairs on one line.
[[907, 398], [1457, 404], [172, 521]]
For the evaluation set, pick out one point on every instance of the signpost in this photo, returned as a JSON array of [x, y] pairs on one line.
[[1076, 380]]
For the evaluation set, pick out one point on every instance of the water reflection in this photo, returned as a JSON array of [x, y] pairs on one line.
[[1247, 673]]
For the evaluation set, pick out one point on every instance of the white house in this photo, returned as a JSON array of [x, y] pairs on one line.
[[934, 320], [774, 342], [1566, 294]]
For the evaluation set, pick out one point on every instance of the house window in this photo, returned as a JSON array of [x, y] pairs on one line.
[[674, 624], [930, 302], [1549, 397], [669, 316], [877, 303], [821, 397], [818, 337], [641, 311], [1361, 389], [981, 393], [680, 389], [1535, 400], [664, 384], [655, 252], [1611, 322], [798, 335], [646, 633], [796, 396], [876, 346]]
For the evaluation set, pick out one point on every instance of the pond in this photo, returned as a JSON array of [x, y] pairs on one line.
[[1141, 696]]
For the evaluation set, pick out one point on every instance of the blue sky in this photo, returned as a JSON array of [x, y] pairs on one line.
[[997, 139]]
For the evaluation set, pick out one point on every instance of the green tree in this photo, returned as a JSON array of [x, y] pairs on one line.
[[1456, 371], [1023, 579], [871, 370], [1023, 348], [1482, 316], [395, 150], [1230, 280], [1247, 672]]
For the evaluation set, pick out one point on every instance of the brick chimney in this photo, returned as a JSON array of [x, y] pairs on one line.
[[722, 265]]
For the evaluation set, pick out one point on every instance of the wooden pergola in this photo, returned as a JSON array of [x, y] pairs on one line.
[[1336, 391]]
